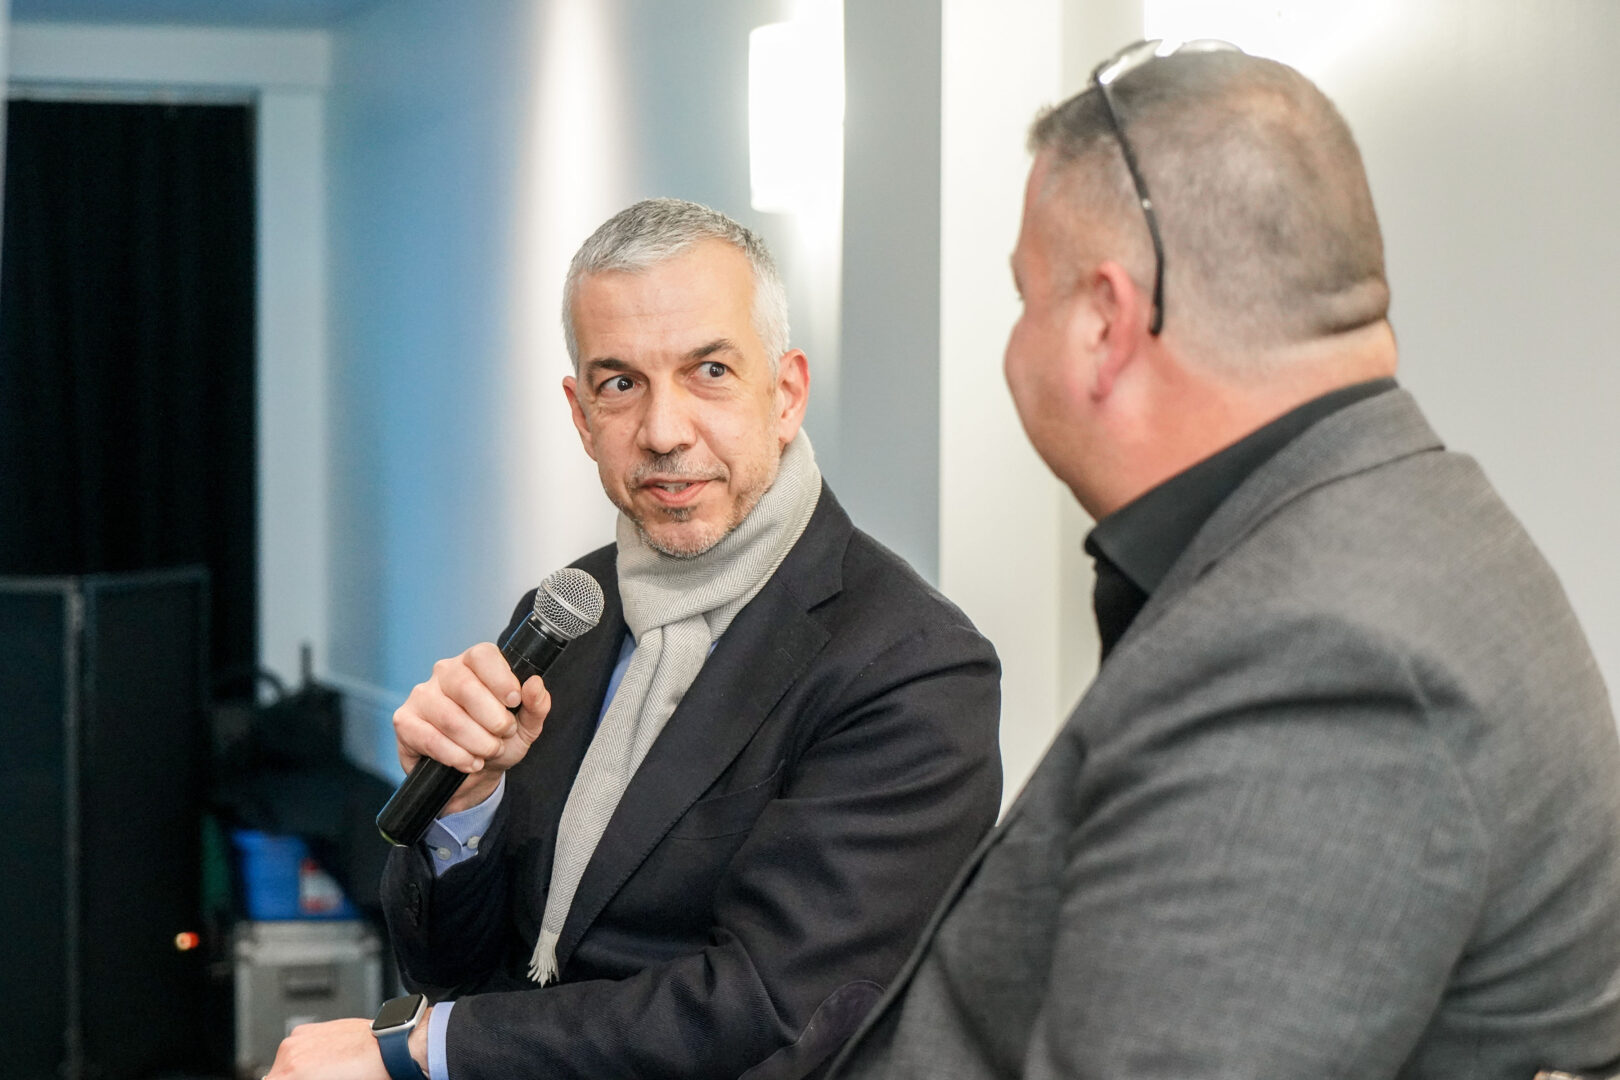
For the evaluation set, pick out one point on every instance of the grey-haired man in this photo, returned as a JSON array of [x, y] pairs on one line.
[[747, 785]]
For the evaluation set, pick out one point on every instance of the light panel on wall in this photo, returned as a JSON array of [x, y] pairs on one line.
[[796, 110]]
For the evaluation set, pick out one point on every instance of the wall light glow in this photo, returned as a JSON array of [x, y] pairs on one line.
[[576, 169], [796, 110], [1310, 35]]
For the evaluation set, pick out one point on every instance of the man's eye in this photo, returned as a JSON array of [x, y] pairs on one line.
[[715, 370], [619, 384]]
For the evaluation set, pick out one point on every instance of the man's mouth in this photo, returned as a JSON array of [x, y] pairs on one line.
[[674, 492]]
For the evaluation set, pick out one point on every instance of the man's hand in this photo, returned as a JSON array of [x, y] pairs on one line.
[[462, 717], [339, 1050]]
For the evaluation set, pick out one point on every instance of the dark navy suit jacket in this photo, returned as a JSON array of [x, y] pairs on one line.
[[770, 865]]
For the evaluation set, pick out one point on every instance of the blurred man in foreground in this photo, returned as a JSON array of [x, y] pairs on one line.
[[1344, 798]]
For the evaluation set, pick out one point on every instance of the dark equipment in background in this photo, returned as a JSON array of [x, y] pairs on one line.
[[104, 680], [117, 773], [279, 771], [279, 767], [128, 439]]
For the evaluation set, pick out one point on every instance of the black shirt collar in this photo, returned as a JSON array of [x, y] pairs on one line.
[[1135, 546]]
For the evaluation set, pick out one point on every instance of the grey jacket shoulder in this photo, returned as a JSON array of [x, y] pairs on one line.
[[1345, 800], [1380, 576]]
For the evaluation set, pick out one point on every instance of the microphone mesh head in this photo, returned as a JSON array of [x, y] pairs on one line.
[[569, 601]]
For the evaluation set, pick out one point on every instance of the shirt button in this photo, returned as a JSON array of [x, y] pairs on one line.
[[472, 842], [443, 853]]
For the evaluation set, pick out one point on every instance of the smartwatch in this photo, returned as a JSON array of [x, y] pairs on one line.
[[395, 1021]]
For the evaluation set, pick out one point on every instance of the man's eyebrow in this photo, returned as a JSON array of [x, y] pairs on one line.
[[717, 345], [603, 363]]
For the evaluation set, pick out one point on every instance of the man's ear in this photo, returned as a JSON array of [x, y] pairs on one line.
[[581, 423], [792, 393], [1119, 327]]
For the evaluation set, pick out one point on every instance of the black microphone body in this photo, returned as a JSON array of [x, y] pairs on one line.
[[530, 650]]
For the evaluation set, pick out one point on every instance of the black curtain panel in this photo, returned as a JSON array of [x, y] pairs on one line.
[[127, 435]]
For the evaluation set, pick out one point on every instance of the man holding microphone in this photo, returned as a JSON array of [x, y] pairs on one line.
[[704, 842]]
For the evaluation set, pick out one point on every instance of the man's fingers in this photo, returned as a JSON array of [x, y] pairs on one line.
[[435, 723], [481, 683], [480, 687], [486, 661], [461, 716], [419, 736]]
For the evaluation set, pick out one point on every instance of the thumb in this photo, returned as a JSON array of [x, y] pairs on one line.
[[531, 715]]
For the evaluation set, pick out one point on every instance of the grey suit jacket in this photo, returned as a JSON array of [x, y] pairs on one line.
[[1343, 802]]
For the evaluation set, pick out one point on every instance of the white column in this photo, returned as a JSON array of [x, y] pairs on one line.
[[999, 506], [294, 444]]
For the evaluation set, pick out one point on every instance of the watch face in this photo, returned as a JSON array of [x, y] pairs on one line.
[[396, 1011]]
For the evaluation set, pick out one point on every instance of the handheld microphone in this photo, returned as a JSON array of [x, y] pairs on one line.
[[567, 604]]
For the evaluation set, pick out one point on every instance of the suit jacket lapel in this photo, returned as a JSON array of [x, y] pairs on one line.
[[577, 682], [766, 649]]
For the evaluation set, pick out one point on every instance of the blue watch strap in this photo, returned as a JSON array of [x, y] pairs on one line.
[[395, 1021], [396, 1054]]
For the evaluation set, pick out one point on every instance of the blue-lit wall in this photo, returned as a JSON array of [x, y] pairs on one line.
[[421, 154], [470, 148]]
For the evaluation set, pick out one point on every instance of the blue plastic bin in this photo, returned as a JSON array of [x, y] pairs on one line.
[[281, 881]]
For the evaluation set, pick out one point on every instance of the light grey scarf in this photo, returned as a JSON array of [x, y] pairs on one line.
[[676, 609]]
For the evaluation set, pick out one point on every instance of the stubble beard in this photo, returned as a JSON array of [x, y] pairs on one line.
[[703, 542]]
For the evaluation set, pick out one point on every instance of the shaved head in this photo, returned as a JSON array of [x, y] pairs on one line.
[[1269, 232]]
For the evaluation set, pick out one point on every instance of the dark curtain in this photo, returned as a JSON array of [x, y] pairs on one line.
[[127, 434]]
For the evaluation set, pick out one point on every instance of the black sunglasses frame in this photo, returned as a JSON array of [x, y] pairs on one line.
[[1104, 76]]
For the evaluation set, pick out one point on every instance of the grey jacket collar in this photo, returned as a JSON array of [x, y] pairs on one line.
[[1359, 437]]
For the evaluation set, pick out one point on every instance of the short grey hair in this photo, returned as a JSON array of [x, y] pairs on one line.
[[1269, 231], [641, 236]]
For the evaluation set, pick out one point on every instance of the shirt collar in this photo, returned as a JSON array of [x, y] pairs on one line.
[[1144, 538]]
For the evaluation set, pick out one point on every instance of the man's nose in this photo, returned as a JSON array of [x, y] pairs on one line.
[[666, 425]]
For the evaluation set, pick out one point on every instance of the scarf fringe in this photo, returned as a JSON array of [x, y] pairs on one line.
[[543, 964]]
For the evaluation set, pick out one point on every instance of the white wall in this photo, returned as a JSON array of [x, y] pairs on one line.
[[940, 95], [284, 73], [294, 431], [419, 471], [1503, 238]]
